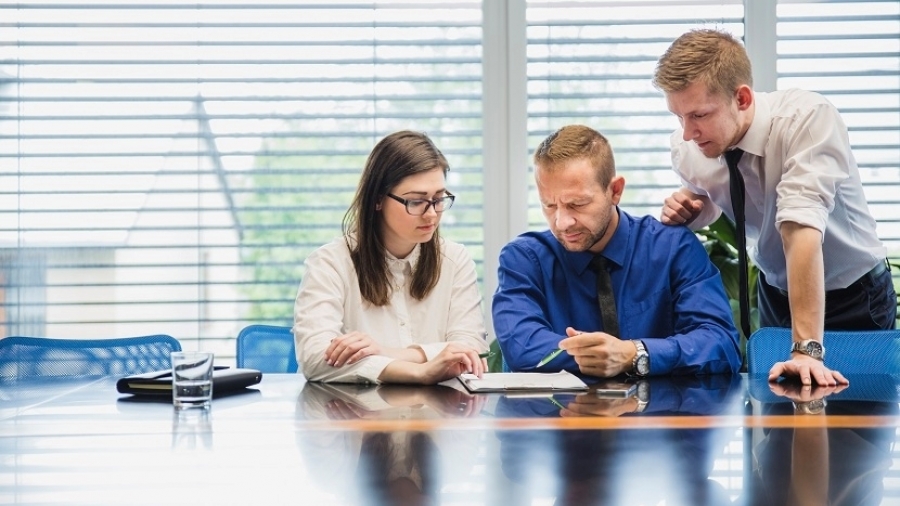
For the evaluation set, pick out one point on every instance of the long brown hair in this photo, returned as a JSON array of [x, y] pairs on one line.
[[397, 156]]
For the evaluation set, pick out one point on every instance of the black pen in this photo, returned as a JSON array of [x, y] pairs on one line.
[[487, 354]]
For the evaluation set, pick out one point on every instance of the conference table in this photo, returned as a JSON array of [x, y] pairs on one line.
[[716, 440]]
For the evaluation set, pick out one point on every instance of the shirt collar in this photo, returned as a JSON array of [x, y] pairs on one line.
[[399, 264], [615, 249], [754, 141]]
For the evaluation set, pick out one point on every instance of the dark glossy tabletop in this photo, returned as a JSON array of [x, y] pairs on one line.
[[716, 440]]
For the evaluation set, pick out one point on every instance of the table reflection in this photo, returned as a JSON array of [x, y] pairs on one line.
[[622, 466], [818, 465], [396, 467]]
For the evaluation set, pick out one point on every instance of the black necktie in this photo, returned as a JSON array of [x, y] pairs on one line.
[[605, 298], [737, 204]]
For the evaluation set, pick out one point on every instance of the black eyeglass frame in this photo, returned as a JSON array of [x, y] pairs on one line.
[[447, 200]]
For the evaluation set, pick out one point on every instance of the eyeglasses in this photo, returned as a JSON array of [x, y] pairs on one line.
[[418, 207]]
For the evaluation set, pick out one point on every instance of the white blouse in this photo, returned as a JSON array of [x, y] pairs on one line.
[[329, 304]]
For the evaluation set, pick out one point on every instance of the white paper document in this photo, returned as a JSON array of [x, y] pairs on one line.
[[519, 381]]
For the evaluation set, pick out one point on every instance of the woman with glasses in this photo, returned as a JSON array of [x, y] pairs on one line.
[[391, 301]]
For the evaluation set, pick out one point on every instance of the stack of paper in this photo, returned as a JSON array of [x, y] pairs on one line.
[[507, 381]]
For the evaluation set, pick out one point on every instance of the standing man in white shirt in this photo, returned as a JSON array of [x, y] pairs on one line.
[[808, 228]]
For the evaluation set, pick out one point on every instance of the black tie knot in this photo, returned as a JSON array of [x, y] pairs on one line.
[[733, 157], [598, 263]]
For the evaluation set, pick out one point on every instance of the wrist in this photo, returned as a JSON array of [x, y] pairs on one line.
[[640, 364], [402, 371], [808, 347]]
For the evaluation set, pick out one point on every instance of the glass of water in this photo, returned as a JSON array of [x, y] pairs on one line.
[[192, 379]]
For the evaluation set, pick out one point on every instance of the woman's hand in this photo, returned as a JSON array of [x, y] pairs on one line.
[[455, 403], [453, 360], [351, 348]]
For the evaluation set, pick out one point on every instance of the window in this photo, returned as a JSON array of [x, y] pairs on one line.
[[166, 167], [591, 63], [850, 52]]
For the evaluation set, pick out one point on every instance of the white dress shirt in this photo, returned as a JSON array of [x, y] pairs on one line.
[[797, 167], [329, 304]]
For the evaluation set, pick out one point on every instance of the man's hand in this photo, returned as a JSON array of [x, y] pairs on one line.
[[598, 353], [803, 393], [808, 369], [590, 404], [682, 208]]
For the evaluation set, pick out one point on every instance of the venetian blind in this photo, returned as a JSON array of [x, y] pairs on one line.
[[165, 167], [591, 63]]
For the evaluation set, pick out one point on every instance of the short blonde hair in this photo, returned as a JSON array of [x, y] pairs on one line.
[[712, 57], [575, 142]]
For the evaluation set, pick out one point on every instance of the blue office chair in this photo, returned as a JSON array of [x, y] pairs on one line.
[[850, 352], [267, 348], [42, 357]]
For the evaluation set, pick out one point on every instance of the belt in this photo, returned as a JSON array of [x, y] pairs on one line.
[[879, 269]]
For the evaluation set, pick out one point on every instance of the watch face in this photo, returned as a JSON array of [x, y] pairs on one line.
[[814, 349], [809, 347], [643, 390], [813, 407], [643, 365]]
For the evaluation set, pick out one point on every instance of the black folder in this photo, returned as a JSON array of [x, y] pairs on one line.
[[159, 383]]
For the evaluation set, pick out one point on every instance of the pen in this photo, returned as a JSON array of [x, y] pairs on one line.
[[548, 358], [556, 403], [487, 354]]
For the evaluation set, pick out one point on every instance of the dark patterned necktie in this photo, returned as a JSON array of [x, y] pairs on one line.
[[605, 298], [738, 195]]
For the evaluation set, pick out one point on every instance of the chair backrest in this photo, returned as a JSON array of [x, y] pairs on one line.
[[267, 348], [44, 357], [847, 351]]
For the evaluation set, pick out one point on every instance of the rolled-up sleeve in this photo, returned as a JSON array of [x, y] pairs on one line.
[[816, 162]]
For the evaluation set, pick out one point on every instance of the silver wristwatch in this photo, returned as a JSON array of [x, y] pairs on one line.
[[642, 395], [640, 366], [809, 347], [813, 407]]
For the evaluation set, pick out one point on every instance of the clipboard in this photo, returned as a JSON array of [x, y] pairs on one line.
[[159, 383], [562, 381]]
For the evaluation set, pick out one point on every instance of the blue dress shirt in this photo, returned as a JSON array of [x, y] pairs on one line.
[[668, 294]]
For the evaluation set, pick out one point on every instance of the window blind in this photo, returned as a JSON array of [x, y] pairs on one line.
[[166, 167], [591, 63], [850, 52]]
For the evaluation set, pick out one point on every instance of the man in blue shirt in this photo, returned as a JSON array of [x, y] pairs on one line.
[[671, 305]]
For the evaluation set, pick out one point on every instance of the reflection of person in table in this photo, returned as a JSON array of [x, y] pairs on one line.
[[398, 467], [391, 301], [612, 466], [819, 465]]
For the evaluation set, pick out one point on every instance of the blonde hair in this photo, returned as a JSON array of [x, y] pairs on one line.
[[711, 57], [575, 142]]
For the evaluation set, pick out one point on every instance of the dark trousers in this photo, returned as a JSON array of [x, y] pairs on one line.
[[869, 303]]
